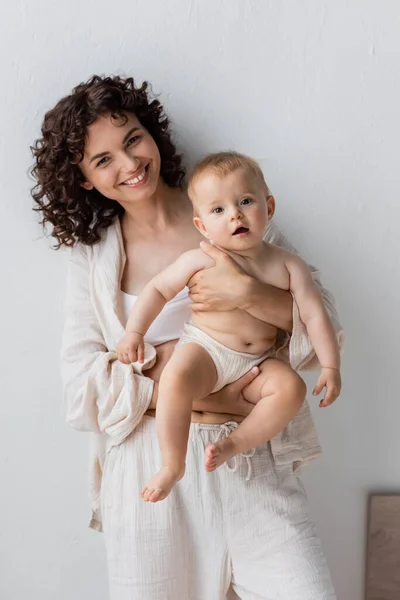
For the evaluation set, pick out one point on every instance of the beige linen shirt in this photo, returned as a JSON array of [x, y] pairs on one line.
[[108, 398]]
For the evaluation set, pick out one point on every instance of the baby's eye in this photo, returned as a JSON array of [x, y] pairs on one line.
[[217, 210], [246, 201]]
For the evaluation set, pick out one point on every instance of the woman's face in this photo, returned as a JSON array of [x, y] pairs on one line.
[[121, 160]]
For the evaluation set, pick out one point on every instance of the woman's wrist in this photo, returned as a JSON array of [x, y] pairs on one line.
[[247, 291], [268, 303]]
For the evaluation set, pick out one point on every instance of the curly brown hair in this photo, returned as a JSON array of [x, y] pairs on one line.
[[76, 214]]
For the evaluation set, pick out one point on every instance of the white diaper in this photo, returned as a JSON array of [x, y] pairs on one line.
[[230, 364]]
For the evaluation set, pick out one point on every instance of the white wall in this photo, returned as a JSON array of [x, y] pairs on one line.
[[311, 89]]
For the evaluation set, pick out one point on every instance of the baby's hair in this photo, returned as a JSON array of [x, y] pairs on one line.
[[224, 163]]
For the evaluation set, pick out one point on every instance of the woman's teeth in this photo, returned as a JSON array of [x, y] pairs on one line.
[[135, 180]]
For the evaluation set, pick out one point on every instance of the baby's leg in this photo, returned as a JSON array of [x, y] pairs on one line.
[[278, 393], [189, 375]]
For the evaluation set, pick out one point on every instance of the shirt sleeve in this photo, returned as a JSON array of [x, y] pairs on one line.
[[101, 394], [297, 348]]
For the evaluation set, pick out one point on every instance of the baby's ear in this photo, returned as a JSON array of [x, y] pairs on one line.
[[271, 206], [200, 226]]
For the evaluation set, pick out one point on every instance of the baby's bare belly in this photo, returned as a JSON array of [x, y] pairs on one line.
[[237, 330]]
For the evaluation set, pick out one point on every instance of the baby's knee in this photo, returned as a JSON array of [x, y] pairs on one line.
[[282, 380], [294, 387]]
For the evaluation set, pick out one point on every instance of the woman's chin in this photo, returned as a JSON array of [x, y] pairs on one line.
[[138, 194]]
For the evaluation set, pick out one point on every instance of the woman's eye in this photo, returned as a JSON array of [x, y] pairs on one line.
[[218, 210], [246, 201], [103, 161], [133, 139]]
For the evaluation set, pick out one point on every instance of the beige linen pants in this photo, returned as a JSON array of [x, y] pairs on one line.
[[243, 531]]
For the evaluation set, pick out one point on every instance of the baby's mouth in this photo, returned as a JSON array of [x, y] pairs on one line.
[[240, 230]]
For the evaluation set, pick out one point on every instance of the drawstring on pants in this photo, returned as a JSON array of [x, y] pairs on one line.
[[225, 431]]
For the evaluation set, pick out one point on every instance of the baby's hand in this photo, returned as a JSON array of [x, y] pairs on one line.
[[131, 348], [329, 378]]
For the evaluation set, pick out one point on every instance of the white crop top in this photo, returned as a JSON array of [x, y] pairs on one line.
[[169, 323]]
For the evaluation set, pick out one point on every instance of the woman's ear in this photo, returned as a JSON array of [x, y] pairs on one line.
[[200, 226], [87, 185], [271, 206]]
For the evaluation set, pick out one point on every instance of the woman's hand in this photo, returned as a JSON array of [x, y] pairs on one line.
[[223, 287], [226, 287], [230, 400]]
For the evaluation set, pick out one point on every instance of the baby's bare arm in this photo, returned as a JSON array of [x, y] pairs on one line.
[[163, 287], [312, 312]]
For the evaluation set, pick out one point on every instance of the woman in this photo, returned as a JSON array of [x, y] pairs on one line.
[[110, 183]]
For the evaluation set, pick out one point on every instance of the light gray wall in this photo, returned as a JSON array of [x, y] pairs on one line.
[[311, 89]]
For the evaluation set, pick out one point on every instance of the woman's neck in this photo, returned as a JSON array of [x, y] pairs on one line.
[[156, 215]]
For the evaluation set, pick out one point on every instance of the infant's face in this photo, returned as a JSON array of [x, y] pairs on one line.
[[232, 210]]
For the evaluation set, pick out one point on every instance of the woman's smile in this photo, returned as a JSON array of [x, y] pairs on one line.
[[138, 179]]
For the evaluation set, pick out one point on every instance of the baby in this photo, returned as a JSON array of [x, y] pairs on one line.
[[232, 206]]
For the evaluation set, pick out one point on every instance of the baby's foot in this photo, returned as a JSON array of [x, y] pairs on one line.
[[218, 453], [160, 485]]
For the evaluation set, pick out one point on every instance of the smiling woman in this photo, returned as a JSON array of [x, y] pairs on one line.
[[131, 159], [101, 120]]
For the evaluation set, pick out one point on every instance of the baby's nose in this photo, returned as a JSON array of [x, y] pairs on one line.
[[236, 214]]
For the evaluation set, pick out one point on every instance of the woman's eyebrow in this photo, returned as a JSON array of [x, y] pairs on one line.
[[100, 155], [126, 137]]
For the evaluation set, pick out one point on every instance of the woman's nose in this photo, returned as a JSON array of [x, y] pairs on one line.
[[129, 163]]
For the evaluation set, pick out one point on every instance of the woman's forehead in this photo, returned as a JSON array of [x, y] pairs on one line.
[[108, 129]]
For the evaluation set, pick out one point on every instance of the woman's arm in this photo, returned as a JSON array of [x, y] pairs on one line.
[[226, 286], [268, 303], [101, 394], [227, 401]]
